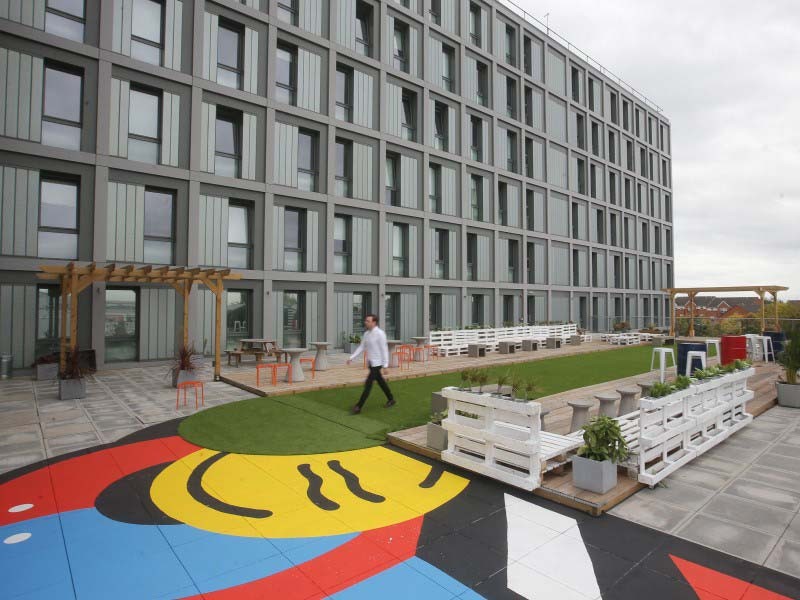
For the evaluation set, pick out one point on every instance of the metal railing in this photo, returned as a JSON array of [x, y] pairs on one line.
[[550, 32], [715, 327]]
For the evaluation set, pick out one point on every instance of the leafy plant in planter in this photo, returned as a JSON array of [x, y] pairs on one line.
[[659, 390], [481, 377], [350, 342], [46, 367], [531, 387], [72, 379], [517, 387], [502, 380], [595, 467], [184, 364], [789, 359], [467, 378], [621, 326], [682, 382]]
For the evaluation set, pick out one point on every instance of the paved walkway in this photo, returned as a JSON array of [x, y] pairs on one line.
[[152, 516], [742, 497], [35, 424]]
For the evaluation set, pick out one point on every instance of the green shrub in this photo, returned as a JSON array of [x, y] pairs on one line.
[[603, 440], [659, 390], [682, 382]]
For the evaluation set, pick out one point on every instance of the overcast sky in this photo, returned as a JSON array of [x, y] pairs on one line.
[[727, 75]]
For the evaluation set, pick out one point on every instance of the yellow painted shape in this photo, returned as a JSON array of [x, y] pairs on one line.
[[275, 484]]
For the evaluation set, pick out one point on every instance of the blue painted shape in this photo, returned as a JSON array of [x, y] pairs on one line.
[[287, 545], [397, 583], [470, 595], [37, 567], [257, 570], [452, 585]]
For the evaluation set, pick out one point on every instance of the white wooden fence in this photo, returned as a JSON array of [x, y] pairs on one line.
[[456, 341]]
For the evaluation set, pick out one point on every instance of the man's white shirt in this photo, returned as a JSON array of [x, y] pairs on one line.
[[374, 342]]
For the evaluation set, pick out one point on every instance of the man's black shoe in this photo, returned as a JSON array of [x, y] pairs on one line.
[[355, 410], [389, 404]]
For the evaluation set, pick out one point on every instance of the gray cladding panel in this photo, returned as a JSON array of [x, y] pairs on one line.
[[18, 323], [557, 173], [309, 13], [309, 79], [362, 246], [362, 171], [19, 218], [344, 25], [285, 155], [409, 182], [213, 231], [449, 191], [559, 264], [157, 323], [21, 81], [363, 105]]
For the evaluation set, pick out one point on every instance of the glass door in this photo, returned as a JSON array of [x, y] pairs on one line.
[[239, 322], [361, 308], [294, 319], [391, 324], [121, 325]]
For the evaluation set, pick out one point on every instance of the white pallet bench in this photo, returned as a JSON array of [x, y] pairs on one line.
[[456, 342], [493, 436], [554, 449]]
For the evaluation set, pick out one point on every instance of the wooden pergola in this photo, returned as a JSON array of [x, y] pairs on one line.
[[74, 279], [759, 290]]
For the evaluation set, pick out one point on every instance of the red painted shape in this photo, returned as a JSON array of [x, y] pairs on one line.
[[75, 483], [359, 559], [709, 584]]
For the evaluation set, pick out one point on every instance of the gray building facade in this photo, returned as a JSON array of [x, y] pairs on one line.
[[442, 163]]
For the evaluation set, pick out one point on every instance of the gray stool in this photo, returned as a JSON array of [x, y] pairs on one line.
[[645, 387], [627, 403], [580, 413], [543, 412], [607, 402], [530, 345]]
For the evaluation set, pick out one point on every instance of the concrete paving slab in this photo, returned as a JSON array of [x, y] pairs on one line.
[[757, 516], [779, 461], [652, 513], [785, 558], [728, 537], [793, 530], [678, 494], [699, 477], [784, 480], [764, 494]]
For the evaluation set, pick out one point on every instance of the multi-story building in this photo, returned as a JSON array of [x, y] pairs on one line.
[[439, 162]]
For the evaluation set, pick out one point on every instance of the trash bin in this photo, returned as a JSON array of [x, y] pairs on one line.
[[778, 340], [732, 347], [6, 361], [683, 351]]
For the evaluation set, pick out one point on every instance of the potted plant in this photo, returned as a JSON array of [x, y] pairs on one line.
[[72, 380], [437, 435], [351, 342], [595, 467], [46, 367], [184, 365], [789, 359]]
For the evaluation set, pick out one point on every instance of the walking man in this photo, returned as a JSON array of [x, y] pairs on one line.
[[374, 344]]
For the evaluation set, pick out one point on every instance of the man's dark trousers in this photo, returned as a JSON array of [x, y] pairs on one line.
[[374, 375]]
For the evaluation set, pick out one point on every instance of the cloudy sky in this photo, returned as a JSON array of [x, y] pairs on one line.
[[727, 75]]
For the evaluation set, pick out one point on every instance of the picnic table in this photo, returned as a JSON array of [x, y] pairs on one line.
[[263, 346]]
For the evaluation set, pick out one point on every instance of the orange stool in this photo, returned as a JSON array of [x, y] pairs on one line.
[[432, 350], [185, 385], [274, 368], [310, 360], [403, 356]]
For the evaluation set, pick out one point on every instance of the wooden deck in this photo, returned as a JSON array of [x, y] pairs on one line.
[[558, 487]]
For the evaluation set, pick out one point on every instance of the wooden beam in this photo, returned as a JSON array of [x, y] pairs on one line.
[[62, 360], [777, 320], [187, 288], [672, 318], [218, 332], [73, 312], [763, 311], [691, 313]]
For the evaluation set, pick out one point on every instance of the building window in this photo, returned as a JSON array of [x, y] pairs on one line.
[[400, 37], [61, 117], [227, 151], [476, 138], [399, 249], [476, 309], [408, 116], [287, 11], [510, 42], [294, 228], [307, 169], [440, 260], [286, 75], [513, 253], [238, 313], [476, 197], [613, 107], [361, 308], [448, 68], [593, 89], [121, 339], [435, 311], [511, 97], [144, 137], [147, 19], [342, 227], [391, 318], [344, 168], [240, 237], [475, 25], [58, 219], [502, 202], [511, 151], [508, 310], [229, 55], [48, 319], [472, 256], [344, 93], [435, 187], [441, 126], [483, 84], [393, 179], [65, 18], [158, 216], [436, 11], [364, 28]]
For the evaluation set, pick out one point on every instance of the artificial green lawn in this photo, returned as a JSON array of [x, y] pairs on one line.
[[319, 421]]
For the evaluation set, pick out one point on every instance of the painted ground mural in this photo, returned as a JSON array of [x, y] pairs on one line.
[[153, 516]]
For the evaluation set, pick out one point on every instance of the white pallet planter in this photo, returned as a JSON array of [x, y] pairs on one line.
[[456, 342], [493, 436]]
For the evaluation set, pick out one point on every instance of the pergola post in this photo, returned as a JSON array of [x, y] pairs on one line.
[[218, 330], [672, 314], [777, 320], [187, 288], [763, 311], [62, 360], [73, 310], [691, 313]]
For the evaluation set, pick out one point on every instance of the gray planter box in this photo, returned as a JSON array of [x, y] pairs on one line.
[[437, 437], [789, 395], [593, 476], [47, 372], [71, 389], [350, 347], [438, 403]]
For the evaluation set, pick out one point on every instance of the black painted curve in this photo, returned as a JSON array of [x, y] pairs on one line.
[[433, 477], [194, 485], [314, 491], [353, 484]]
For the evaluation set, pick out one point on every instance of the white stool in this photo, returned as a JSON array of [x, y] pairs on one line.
[[754, 346], [662, 360], [714, 342], [690, 356], [768, 349]]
